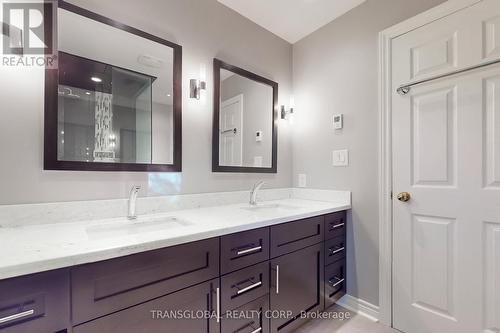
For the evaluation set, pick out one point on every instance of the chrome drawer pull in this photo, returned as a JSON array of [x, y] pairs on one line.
[[257, 330], [337, 251], [340, 225], [253, 286], [218, 304], [16, 316], [337, 283], [277, 279], [253, 249]]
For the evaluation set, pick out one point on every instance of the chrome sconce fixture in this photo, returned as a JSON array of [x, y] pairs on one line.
[[195, 88], [285, 112]]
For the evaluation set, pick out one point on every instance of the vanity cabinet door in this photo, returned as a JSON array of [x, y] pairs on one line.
[[164, 314], [105, 287], [296, 286]]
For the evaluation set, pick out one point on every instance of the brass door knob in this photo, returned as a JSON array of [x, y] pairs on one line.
[[404, 196]]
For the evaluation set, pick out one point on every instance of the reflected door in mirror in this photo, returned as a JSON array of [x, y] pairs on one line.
[[246, 135], [231, 124]]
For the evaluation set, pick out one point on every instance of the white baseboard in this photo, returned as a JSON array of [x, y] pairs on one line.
[[359, 306]]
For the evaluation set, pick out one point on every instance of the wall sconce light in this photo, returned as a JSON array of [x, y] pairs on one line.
[[195, 88], [285, 112]]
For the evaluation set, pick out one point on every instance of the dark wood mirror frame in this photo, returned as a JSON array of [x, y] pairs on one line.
[[216, 167], [51, 161]]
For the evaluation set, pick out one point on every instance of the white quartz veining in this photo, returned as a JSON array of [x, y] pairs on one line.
[[31, 247]]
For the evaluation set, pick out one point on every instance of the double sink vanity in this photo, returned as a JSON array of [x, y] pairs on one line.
[[228, 268], [185, 263]]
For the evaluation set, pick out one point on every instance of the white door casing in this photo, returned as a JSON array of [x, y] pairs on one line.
[[231, 132], [446, 153]]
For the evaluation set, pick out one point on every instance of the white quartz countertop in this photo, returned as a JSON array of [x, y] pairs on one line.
[[36, 248]]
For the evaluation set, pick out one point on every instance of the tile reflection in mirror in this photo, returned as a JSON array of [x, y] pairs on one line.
[[115, 94]]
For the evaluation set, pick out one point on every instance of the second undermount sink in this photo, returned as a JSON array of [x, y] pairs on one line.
[[143, 224], [271, 207]]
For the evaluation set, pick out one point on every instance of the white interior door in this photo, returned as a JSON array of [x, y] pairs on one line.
[[446, 155], [231, 127]]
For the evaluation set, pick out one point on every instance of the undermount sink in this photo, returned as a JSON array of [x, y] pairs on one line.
[[269, 207], [143, 224]]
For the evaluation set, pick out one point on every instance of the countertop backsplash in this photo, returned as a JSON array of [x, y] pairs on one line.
[[65, 212]]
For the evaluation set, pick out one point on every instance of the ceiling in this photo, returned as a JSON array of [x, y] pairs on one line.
[[292, 20]]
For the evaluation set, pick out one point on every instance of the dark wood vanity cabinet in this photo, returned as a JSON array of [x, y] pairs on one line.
[[274, 274], [297, 286]]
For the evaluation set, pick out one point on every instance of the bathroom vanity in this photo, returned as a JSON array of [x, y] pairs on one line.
[[276, 272]]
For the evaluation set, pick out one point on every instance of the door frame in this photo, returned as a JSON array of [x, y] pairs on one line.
[[385, 143]]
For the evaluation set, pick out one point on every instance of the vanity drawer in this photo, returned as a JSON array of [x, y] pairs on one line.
[[243, 286], [244, 249], [109, 286], [184, 311], [334, 250], [35, 303], [335, 283], [335, 225], [250, 318], [293, 236]]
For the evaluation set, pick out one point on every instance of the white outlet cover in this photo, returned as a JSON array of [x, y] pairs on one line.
[[302, 180], [341, 158]]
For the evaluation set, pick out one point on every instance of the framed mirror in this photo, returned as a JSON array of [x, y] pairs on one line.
[[245, 129], [114, 101]]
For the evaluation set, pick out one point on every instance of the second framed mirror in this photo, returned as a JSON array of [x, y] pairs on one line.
[[245, 130]]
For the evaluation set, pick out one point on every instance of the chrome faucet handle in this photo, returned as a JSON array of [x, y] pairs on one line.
[[134, 189], [253, 193]]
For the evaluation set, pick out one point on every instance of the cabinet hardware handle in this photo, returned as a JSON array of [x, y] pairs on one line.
[[336, 251], [336, 283], [340, 225], [277, 279], [257, 330], [253, 286], [16, 316], [253, 249], [218, 304]]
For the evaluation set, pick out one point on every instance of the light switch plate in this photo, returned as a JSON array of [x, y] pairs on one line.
[[341, 158], [302, 180]]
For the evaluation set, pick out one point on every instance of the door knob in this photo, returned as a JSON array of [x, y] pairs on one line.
[[404, 196]]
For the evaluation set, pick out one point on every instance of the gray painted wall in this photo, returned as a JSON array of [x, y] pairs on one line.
[[201, 27], [335, 71]]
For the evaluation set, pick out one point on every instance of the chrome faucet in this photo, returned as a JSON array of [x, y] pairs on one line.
[[253, 194], [131, 202]]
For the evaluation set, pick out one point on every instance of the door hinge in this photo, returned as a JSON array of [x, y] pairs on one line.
[[391, 196]]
